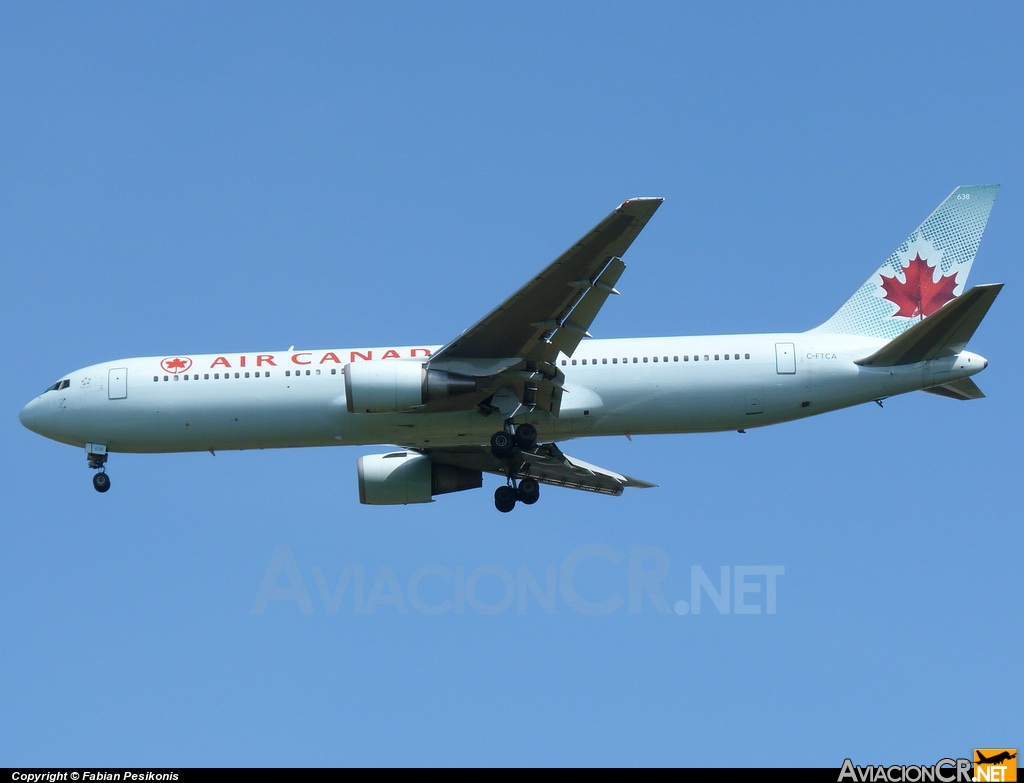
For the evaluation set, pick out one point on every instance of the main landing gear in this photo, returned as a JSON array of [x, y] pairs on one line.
[[504, 446], [527, 491], [97, 456], [505, 443]]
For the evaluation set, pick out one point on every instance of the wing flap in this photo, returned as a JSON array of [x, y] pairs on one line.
[[576, 322], [547, 464]]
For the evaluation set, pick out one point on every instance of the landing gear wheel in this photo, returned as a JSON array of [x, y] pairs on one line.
[[504, 499], [526, 437], [528, 492], [502, 445], [101, 482]]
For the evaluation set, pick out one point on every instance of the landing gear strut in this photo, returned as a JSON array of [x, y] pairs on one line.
[[97, 457], [504, 445]]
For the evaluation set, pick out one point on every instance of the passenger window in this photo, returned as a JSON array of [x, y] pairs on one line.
[[573, 362], [615, 360], [635, 360], [706, 358], [727, 357], [604, 361], [737, 356], [686, 358], [206, 376], [746, 356], [655, 358], [584, 361], [645, 360], [236, 374], [716, 357], [156, 377]]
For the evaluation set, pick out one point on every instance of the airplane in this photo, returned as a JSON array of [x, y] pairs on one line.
[[500, 397], [999, 758]]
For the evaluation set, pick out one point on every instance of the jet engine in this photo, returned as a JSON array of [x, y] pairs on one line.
[[403, 477], [394, 385]]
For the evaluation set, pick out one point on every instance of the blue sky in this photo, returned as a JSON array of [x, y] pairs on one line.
[[197, 177]]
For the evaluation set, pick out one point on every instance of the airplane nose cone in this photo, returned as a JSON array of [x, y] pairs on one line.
[[25, 416], [31, 415]]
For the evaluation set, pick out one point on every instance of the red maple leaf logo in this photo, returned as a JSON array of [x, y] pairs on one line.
[[176, 364], [919, 295]]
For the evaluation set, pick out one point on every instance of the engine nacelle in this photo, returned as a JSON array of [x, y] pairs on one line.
[[404, 477], [393, 385]]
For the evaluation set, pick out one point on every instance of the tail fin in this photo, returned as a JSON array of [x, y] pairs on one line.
[[927, 270]]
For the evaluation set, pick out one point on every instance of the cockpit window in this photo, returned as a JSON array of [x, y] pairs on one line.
[[63, 384]]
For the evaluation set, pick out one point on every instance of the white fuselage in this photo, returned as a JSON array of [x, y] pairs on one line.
[[612, 387]]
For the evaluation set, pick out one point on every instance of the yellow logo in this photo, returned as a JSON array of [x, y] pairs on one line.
[[995, 764]]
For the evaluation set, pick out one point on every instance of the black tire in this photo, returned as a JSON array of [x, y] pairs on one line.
[[101, 482], [504, 499], [502, 445], [529, 491], [526, 437]]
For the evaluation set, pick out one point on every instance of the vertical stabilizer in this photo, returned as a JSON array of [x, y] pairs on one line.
[[927, 270]]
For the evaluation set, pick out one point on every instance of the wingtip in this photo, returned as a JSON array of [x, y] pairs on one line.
[[642, 205]]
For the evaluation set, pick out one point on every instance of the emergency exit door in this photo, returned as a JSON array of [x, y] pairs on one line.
[[785, 358], [117, 383]]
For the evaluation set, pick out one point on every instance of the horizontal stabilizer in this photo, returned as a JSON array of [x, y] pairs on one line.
[[964, 389], [944, 333]]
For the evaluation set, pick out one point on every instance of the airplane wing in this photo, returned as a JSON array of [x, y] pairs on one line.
[[515, 345], [547, 464], [554, 310]]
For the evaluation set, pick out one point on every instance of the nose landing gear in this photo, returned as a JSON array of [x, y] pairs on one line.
[[96, 454]]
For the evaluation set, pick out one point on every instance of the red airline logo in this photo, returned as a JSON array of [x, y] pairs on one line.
[[176, 364]]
